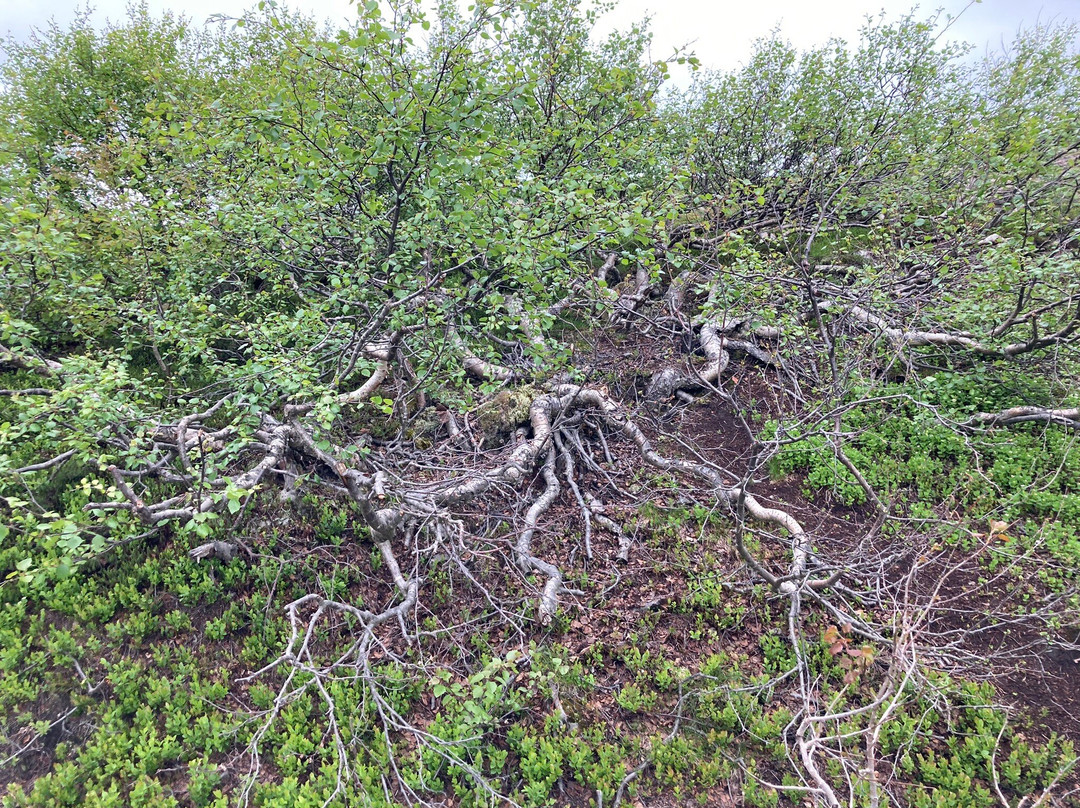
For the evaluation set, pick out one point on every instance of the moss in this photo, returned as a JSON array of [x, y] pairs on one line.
[[501, 414], [424, 428]]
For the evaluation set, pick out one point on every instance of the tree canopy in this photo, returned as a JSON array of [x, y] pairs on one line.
[[445, 410]]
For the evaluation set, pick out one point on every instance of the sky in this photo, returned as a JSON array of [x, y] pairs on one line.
[[721, 32]]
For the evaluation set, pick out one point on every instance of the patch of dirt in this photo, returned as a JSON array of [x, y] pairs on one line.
[[991, 624]]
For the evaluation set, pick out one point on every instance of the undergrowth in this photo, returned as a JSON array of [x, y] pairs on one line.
[[122, 686]]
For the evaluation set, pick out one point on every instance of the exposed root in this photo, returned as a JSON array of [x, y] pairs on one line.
[[299, 658], [737, 497], [717, 344], [416, 517], [596, 507], [523, 557], [586, 512]]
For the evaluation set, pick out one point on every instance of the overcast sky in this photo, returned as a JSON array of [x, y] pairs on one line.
[[721, 31]]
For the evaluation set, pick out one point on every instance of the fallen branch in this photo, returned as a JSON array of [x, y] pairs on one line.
[[942, 339], [1068, 418]]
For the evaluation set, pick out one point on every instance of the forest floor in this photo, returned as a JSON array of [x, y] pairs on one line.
[[631, 641]]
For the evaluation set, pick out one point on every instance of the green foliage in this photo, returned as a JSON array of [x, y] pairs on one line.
[[234, 213], [475, 156], [904, 450], [823, 133]]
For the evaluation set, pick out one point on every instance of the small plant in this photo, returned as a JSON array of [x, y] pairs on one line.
[[854, 660], [541, 766], [636, 698], [202, 780], [215, 629], [779, 657], [178, 622]]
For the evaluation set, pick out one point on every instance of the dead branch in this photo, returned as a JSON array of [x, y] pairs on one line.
[[9, 359], [1068, 418], [59, 460], [915, 338]]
